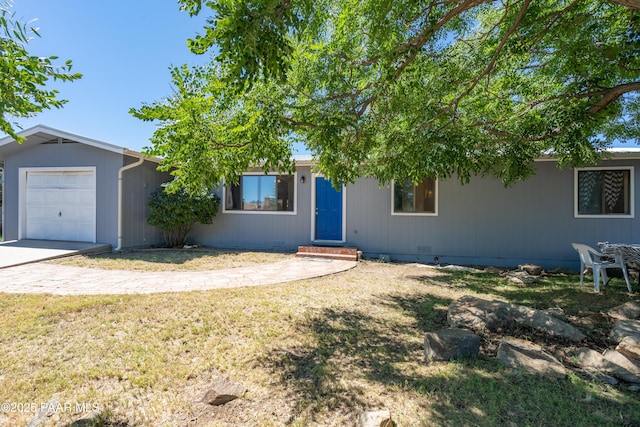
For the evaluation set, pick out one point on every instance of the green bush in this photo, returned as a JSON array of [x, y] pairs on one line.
[[177, 212]]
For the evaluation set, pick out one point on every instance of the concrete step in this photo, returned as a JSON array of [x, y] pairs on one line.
[[328, 252]]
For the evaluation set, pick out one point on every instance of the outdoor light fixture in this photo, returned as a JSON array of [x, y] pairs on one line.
[[302, 179]]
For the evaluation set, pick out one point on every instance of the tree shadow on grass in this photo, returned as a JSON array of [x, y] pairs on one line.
[[381, 346], [581, 306], [551, 291]]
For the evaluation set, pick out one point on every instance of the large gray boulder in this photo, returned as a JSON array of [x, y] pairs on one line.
[[627, 311], [625, 328], [623, 361], [520, 354], [479, 314], [610, 363], [450, 344]]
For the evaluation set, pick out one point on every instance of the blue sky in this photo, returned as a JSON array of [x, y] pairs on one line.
[[123, 49]]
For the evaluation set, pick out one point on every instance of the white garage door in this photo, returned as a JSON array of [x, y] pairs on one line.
[[60, 205]]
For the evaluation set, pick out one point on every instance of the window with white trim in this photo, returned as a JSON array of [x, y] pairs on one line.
[[411, 199], [261, 193], [604, 192]]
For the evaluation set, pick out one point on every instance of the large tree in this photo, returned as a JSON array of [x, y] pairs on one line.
[[402, 88], [23, 77]]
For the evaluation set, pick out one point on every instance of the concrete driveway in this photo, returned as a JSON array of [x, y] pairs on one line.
[[18, 252]]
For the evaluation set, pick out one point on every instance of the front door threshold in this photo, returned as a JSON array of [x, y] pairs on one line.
[[328, 252], [335, 243]]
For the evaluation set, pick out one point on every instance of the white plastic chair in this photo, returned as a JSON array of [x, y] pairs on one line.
[[599, 263]]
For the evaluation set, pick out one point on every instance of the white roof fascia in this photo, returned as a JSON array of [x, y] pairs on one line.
[[616, 153], [67, 135], [137, 154]]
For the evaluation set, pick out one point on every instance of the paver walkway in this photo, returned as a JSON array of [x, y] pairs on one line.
[[47, 278]]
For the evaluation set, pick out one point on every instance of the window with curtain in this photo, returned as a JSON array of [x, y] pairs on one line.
[[603, 192]]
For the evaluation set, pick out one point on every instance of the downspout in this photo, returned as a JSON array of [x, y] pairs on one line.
[[120, 203]]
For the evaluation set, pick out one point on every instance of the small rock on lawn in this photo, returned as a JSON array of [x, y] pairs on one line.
[[223, 391]]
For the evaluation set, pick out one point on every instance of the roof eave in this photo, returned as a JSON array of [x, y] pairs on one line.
[[67, 135]]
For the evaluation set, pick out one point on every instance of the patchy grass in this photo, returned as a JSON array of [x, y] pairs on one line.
[[315, 352], [197, 259]]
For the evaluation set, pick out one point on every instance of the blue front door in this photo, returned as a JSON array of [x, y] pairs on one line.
[[328, 211]]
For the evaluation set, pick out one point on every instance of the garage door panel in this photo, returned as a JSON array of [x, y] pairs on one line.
[[35, 180], [35, 197], [45, 230], [41, 213], [75, 231], [81, 180], [71, 198], [83, 198], [69, 180], [53, 180], [50, 196], [60, 205], [77, 215], [86, 196]]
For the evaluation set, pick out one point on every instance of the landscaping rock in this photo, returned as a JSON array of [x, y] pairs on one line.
[[223, 391], [627, 311], [630, 347], [520, 354], [493, 270], [376, 419], [450, 344], [556, 312], [623, 361], [561, 270], [45, 411], [520, 278], [453, 267], [534, 270], [478, 314], [541, 321], [625, 328], [608, 364]]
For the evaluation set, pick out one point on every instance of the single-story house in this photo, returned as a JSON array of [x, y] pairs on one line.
[[479, 223], [62, 186]]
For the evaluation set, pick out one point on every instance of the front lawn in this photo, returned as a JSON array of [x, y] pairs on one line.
[[315, 352], [195, 259]]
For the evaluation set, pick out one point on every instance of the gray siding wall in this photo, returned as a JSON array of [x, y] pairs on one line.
[[277, 231], [485, 223], [68, 155], [481, 222], [138, 184]]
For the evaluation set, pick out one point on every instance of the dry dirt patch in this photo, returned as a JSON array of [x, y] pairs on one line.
[[196, 259]]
